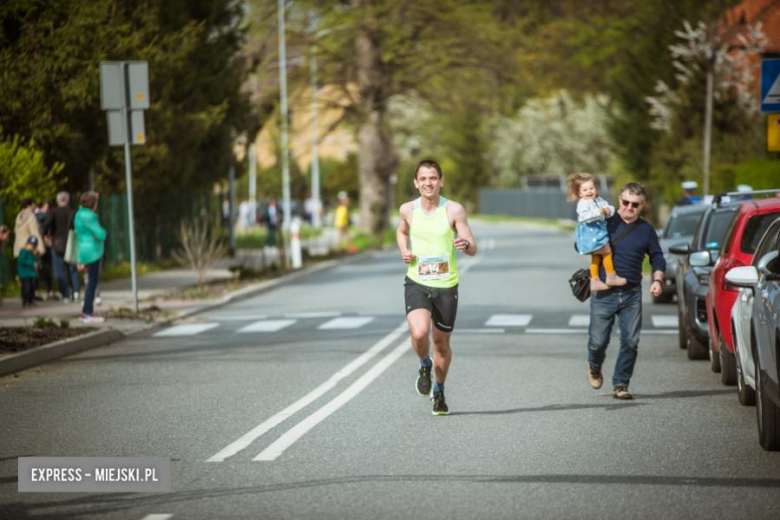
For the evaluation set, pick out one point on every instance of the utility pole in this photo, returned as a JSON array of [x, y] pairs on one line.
[[315, 158], [708, 120], [283, 107]]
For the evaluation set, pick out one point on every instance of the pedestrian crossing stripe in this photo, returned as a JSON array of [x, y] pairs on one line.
[[186, 329], [509, 320], [664, 321], [346, 323], [579, 320], [266, 326]]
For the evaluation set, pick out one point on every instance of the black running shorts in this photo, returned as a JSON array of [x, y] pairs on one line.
[[441, 303]]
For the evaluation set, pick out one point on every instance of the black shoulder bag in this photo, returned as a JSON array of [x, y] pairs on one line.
[[580, 280]]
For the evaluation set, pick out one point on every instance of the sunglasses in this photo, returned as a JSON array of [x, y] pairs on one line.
[[632, 204]]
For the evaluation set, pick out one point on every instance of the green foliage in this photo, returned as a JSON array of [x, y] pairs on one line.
[[24, 174], [49, 86], [760, 174]]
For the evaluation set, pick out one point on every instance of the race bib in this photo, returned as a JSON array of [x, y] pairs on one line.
[[433, 267]]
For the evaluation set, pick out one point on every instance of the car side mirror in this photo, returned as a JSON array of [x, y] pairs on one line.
[[769, 266], [680, 249], [700, 259], [746, 276]]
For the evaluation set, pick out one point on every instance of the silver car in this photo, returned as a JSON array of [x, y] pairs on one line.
[[678, 230], [757, 334]]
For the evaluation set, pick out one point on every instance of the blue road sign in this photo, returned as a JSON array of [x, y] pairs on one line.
[[770, 86]]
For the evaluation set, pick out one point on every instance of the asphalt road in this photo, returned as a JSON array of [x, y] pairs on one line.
[[300, 403]]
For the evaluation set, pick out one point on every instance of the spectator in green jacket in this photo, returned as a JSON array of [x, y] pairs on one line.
[[90, 236], [26, 265]]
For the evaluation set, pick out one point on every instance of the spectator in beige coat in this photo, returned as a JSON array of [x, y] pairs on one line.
[[27, 226]]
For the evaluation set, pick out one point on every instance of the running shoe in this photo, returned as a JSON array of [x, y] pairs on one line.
[[424, 382], [439, 405]]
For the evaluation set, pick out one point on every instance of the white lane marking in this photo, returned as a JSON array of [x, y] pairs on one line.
[[664, 321], [509, 320], [480, 331], [315, 394], [304, 315], [279, 446], [186, 329], [579, 320], [266, 326], [346, 323], [556, 331], [157, 517]]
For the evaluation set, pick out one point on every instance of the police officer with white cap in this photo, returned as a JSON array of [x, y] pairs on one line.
[[689, 188]]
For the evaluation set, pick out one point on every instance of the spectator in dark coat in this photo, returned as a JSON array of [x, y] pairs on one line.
[[57, 227]]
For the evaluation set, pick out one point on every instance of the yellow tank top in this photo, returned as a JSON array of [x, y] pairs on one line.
[[436, 263]]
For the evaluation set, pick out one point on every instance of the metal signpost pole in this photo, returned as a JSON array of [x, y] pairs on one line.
[[129, 182]]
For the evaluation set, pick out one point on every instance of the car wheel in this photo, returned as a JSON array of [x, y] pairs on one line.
[[695, 349], [714, 359], [728, 365], [768, 416], [746, 395], [682, 337]]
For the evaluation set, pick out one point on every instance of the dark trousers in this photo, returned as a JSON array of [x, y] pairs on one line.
[[93, 272], [28, 291]]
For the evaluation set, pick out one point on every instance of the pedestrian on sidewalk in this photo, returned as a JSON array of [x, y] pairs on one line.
[[632, 238], [341, 221], [45, 272], [91, 238], [26, 226], [57, 227], [27, 270], [426, 238], [273, 218]]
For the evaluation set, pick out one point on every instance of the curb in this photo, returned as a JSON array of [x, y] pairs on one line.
[[67, 347], [52, 351]]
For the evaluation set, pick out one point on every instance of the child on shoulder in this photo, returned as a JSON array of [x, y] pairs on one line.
[[26, 269], [591, 235]]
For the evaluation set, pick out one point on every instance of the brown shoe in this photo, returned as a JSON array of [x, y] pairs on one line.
[[594, 377], [597, 285], [622, 393], [613, 280]]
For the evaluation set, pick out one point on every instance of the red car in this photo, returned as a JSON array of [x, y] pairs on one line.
[[747, 228]]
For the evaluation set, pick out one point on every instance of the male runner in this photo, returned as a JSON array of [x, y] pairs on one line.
[[426, 238]]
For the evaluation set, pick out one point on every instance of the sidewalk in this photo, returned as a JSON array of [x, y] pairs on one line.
[[115, 294]]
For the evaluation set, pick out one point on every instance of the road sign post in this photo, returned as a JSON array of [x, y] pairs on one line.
[[124, 93]]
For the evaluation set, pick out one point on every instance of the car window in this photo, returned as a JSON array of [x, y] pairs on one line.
[[726, 245], [682, 225], [716, 230], [754, 231], [767, 244]]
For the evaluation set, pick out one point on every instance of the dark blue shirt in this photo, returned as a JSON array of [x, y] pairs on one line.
[[629, 254]]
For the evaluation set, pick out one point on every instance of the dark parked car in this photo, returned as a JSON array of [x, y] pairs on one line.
[[678, 230], [693, 272], [762, 278]]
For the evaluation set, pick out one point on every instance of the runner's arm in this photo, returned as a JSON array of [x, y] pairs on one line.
[[465, 241], [402, 234]]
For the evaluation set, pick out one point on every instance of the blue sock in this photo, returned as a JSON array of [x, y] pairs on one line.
[[426, 362], [438, 387]]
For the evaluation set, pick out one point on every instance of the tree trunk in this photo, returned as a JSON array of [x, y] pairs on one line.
[[376, 157]]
